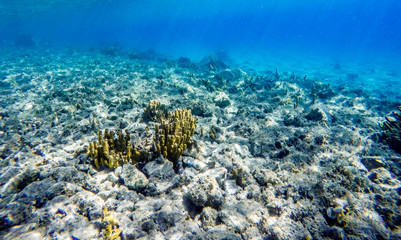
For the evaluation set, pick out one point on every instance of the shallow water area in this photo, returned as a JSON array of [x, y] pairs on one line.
[[156, 120]]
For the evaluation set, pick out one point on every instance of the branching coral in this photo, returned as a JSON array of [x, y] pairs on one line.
[[155, 111], [113, 150], [173, 135], [111, 226], [392, 130]]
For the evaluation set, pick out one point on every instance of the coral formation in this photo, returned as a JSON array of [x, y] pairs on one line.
[[155, 111], [113, 150], [173, 135], [338, 211], [111, 226], [392, 130], [238, 174]]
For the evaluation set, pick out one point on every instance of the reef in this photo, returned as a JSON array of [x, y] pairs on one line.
[[392, 130], [276, 154], [173, 135]]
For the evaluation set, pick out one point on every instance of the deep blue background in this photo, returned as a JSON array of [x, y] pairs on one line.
[[196, 27]]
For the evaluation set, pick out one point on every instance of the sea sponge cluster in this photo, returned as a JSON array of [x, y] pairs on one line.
[[173, 135], [392, 130], [114, 149]]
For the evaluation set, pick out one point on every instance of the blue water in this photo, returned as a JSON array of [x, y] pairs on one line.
[[363, 36], [348, 26]]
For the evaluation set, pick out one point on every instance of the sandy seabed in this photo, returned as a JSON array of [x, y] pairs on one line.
[[275, 155]]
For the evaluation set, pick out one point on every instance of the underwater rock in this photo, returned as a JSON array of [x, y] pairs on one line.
[[193, 163], [202, 196], [148, 225], [252, 233], [229, 184], [14, 179], [132, 177], [4, 85], [335, 233], [126, 206], [88, 203], [159, 169], [326, 93], [218, 235], [184, 62], [282, 153], [316, 114], [10, 147], [222, 100], [201, 109], [14, 214], [9, 172], [35, 193], [212, 63], [389, 209], [381, 175], [233, 220], [205, 191], [292, 120], [171, 219], [374, 162], [253, 191], [265, 177], [232, 75], [392, 130], [61, 188], [165, 220], [161, 176], [252, 210], [70, 224], [208, 217], [32, 236], [286, 228], [231, 187], [67, 174]]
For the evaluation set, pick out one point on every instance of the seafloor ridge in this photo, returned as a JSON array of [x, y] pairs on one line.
[[274, 155]]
